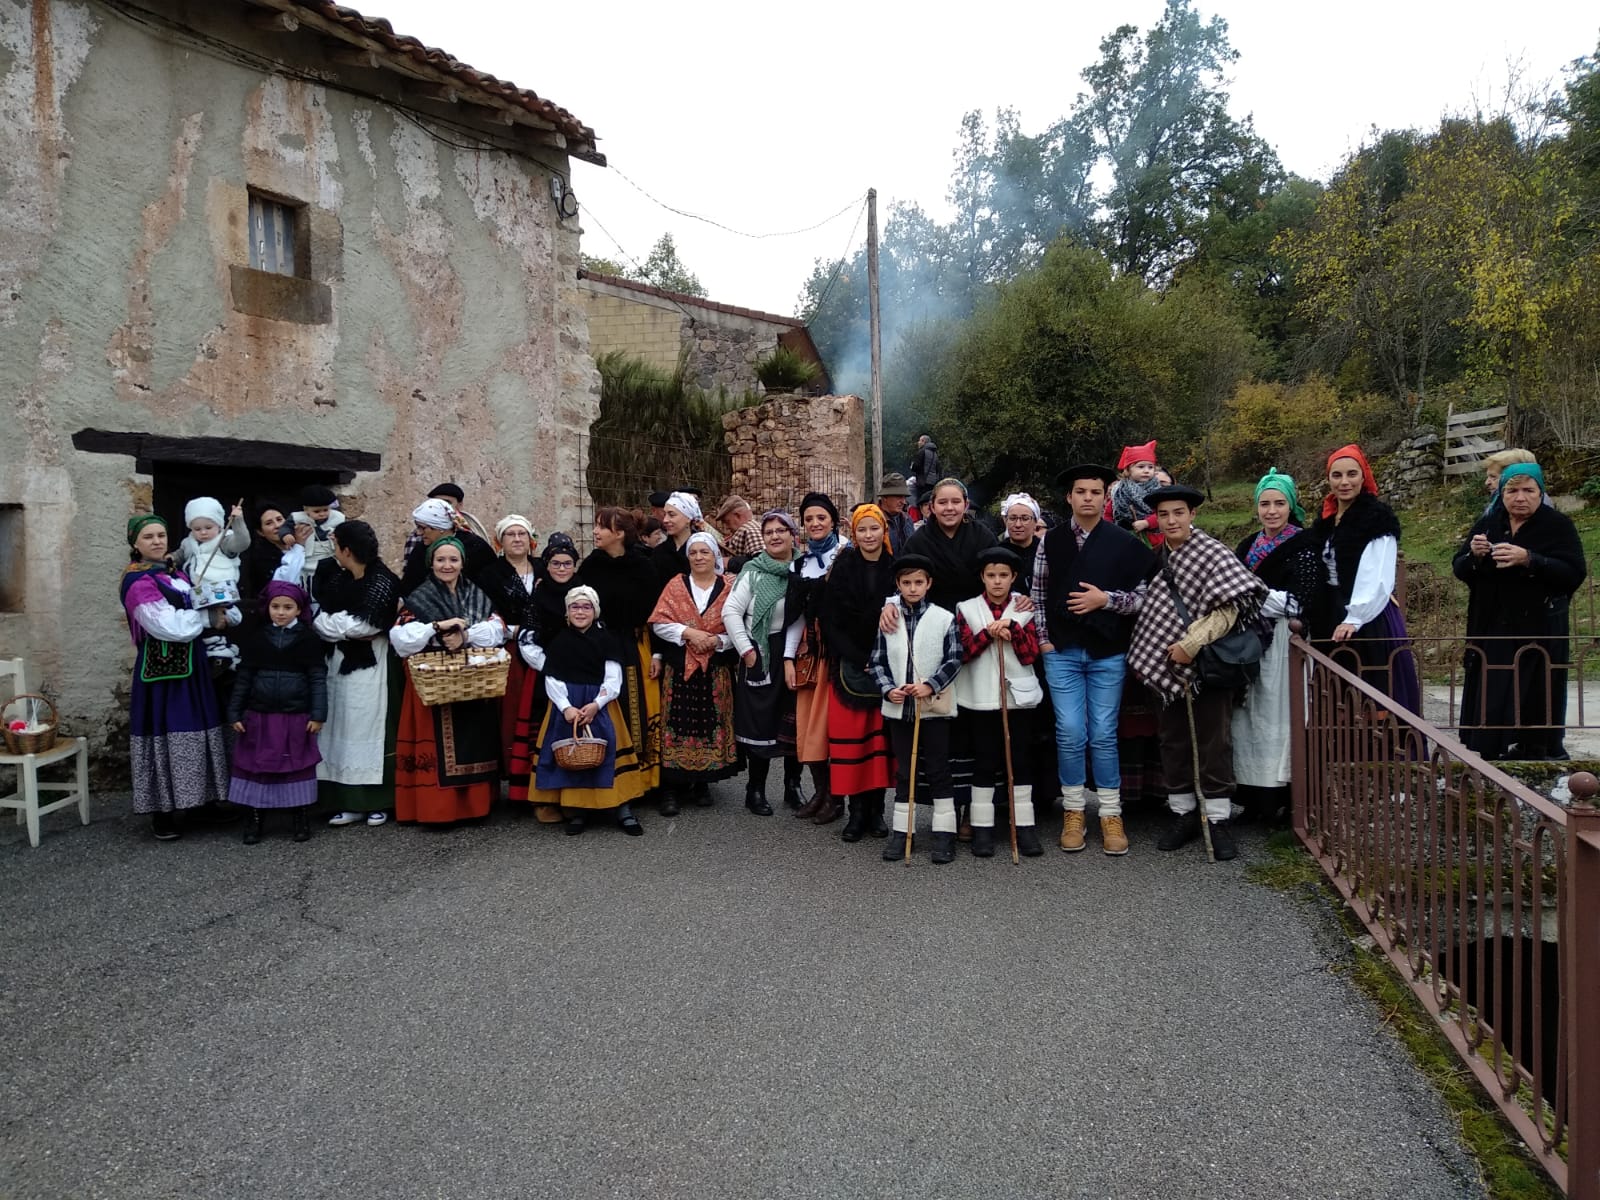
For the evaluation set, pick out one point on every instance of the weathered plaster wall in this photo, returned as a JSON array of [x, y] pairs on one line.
[[457, 344]]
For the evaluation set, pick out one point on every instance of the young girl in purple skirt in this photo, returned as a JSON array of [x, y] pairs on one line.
[[279, 703]]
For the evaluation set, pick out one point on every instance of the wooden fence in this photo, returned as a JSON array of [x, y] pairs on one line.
[[1470, 437]]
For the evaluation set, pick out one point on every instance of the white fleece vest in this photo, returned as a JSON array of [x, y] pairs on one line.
[[927, 654], [978, 684]]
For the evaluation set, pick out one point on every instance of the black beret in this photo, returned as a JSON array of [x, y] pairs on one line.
[[317, 496], [1071, 475], [659, 499], [1000, 554], [1175, 491], [452, 490], [912, 562]]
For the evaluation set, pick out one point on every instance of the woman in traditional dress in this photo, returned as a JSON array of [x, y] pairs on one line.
[[860, 759], [680, 517], [1021, 515], [620, 572], [546, 615], [1358, 537], [582, 677], [358, 596], [177, 752], [1521, 564], [277, 708], [952, 540], [696, 655], [271, 540], [448, 756], [1284, 558], [819, 522], [1024, 521], [764, 616], [509, 582]]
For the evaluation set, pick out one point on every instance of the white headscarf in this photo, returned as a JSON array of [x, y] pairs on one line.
[[204, 508], [513, 519], [705, 539], [434, 514], [1017, 498], [584, 593], [686, 504]]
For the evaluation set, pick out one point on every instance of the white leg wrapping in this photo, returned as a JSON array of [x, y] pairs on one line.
[[1110, 802], [1218, 808], [944, 814], [902, 814], [1072, 799], [1023, 803], [1181, 802], [982, 811]]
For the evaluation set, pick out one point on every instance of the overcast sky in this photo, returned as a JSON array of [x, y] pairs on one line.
[[773, 117]]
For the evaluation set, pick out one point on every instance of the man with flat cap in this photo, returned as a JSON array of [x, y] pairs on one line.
[[894, 493], [1201, 592], [1089, 579]]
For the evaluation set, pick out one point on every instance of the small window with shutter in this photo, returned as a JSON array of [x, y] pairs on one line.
[[273, 235]]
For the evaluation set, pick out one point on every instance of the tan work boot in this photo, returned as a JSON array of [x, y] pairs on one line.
[[1072, 826], [1113, 838]]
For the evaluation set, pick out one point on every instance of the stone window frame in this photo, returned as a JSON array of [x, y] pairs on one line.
[[301, 298]]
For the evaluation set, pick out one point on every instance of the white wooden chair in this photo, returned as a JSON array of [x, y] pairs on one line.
[[29, 788]]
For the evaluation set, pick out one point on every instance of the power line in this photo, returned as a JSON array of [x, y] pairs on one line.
[[838, 266], [728, 228]]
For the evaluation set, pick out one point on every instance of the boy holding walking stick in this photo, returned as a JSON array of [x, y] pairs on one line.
[[997, 692], [914, 666]]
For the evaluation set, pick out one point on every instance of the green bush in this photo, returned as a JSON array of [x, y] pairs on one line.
[[784, 370]]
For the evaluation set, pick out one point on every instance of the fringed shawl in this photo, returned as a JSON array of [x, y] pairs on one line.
[[677, 606]]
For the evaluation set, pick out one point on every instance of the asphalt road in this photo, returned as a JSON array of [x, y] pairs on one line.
[[726, 1007]]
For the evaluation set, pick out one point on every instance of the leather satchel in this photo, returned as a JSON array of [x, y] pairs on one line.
[[1232, 662]]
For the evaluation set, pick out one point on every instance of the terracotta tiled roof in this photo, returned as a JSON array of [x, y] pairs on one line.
[[580, 138], [634, 285]]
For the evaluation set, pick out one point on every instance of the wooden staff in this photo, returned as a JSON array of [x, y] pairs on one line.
[[1005, 729], [911, 796], [1199, 792]]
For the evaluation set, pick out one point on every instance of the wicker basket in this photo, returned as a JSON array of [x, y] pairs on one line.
[[582, 752], [36, 742], [447, 677]]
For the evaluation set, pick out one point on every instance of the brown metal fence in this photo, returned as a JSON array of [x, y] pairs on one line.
[[1483, 894]]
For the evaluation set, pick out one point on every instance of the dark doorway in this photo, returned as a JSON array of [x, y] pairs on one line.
[[175, 484]]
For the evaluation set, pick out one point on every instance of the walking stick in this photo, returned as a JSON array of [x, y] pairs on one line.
[[911, 796], [1005, 729], [1199, 797]]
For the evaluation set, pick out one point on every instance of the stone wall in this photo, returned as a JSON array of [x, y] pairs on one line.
[[724, 350], [795, 444], [1416, 466], [446, 334]]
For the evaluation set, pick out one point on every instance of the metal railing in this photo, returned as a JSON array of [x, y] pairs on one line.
[[1483, 894]]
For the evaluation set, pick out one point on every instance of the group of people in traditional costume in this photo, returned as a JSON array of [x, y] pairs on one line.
[[986, 676]]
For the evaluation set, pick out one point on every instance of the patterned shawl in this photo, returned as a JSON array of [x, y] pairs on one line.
[[1209, 576], [1264, 545], [677, 607], [432, 601]]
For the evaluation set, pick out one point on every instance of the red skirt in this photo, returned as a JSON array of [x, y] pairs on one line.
[[420, 793], [859, 756], [526, 705]]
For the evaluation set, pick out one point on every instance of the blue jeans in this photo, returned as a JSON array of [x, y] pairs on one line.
[[1087, 695]]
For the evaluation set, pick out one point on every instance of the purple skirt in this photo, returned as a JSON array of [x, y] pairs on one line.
[[253, 793], [275, 747]]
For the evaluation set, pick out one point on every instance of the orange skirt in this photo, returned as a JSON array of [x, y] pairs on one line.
[[811, 717], [418, 795]]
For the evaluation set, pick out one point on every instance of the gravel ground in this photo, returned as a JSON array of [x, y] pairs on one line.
[[726, 1007]]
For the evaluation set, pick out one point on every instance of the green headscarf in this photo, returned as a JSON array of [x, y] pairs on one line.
[[136, 525], [769, 580], [1532, 470], [1276, 481], [447, 541]]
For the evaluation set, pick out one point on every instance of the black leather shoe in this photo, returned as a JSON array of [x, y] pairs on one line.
[[1182, 828], [756, 802], [576, 825], [669, 804], [700, 794], [302, 825], [165, 827], [1223, 847], [895, 847], [856, 825], [791, 794], [629, 822], [982, 841], [252, 829], [1028, 842], [944, 847]]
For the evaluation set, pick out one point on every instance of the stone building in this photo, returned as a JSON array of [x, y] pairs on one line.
[[724, 343], [248, 246]]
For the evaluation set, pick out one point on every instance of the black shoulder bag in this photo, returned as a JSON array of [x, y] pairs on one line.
[[1232, 662]]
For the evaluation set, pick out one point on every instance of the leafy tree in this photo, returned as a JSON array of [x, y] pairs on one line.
[[665, 269], [602, 266]]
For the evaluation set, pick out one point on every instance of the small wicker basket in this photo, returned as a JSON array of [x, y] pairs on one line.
[[36, 741], [582, 752], [449, 677]]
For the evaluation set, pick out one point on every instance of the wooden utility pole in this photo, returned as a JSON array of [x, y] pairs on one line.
[[876, 481]]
